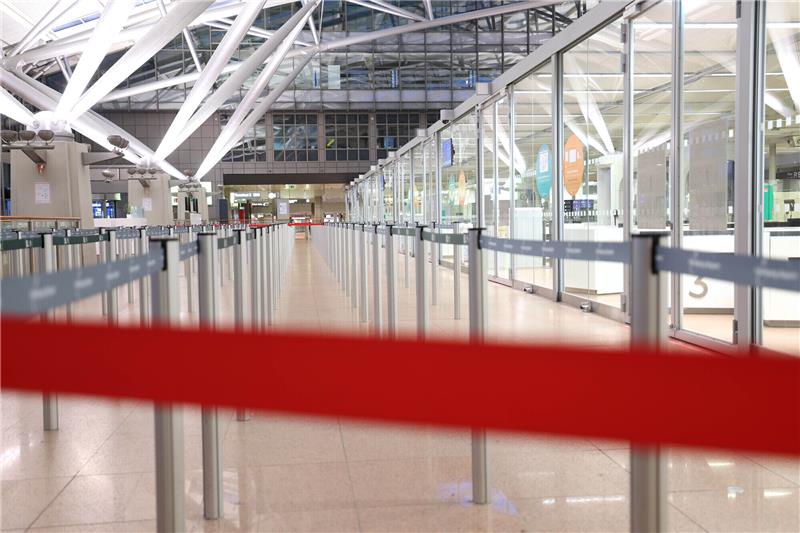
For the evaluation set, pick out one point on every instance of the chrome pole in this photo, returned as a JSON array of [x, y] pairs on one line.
[[362, 274], [49, 400], [168, 418], [477, 331], [421, 286], [457, 253], [377, 312], [111, 295], [434, 267], [391, 284], [144, 300], [648, 484], [213, 504], [240, 308]]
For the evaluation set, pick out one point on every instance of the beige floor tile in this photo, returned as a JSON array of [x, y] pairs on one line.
[[738, 509], [90, 500], [411, 481], [323, 521], [369, 442], [23, 500]]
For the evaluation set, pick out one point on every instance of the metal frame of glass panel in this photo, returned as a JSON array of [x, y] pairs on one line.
[[750, 145]]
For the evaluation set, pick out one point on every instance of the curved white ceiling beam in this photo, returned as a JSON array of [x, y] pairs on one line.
[[262, 81], [43, 25], [217, 152], [111, 21], [91, 124], [160, 34], [138, 25], [10, 107], [223, 52], [235, 81], [336, 44]]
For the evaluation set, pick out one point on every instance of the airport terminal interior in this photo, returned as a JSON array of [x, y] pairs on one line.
[[350, 265]]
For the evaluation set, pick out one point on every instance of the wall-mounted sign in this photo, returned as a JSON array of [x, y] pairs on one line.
[[41, 193], [544, 171], [283, 207], [573, 165], [147, 203], [790, 173]]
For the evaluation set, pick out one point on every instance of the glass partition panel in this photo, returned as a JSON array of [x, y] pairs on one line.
[[388, 194], [418, 191], [652, 71], [459, 171], [592, 167], [505, 190], [489, 184], [404, 166], [429, 164], [709, 100], [533, 171], [780, 228]]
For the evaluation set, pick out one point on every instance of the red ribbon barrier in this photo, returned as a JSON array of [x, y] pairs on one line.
[[744, 403]]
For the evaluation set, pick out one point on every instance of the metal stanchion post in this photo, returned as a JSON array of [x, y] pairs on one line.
[[434, 267], [477, 330], [19, 260], [102, 246], [421, 286], [407, 253], [144, 300], [111, 295], [255, 278], [229, 258], [268, 273], [456, 275], [391, 285], [68, 265], [377, 312], [240, 305], [49, 400], [353, 267], [342, 257], [348, 252], [275, 251], [648, 327], [187, 272], [168, 418], [211, 431], [362, 274], [263, 278], [129, 244]]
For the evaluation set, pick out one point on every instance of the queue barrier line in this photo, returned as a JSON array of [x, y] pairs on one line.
[[639, 395], [41, 293], [740, 269]]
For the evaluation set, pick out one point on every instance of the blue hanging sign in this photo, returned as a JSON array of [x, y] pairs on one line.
[[544, 171]]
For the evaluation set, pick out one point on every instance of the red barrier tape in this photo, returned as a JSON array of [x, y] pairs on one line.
[[745, 403]]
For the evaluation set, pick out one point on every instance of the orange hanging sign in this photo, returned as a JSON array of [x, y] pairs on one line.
[[573, 165]]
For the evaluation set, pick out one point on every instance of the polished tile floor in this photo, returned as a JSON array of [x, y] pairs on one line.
[[96, 473]]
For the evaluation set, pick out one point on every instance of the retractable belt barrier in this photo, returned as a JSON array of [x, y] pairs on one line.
[[740, 269], [635, 394]]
